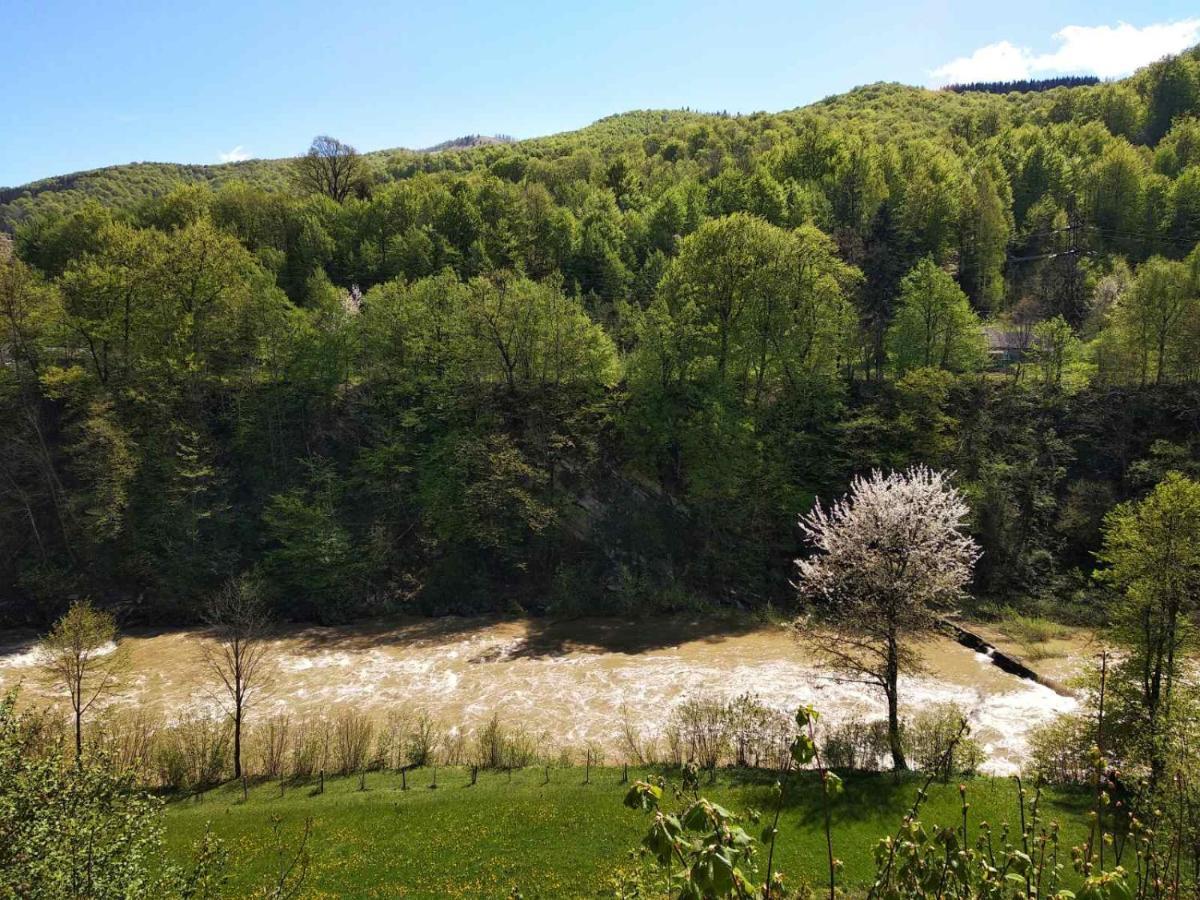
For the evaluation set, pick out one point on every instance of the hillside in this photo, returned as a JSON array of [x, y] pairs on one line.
[[603, 371], [893, 110], [127, 185], [884, 106]]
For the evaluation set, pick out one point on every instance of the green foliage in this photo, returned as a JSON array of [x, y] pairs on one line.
[[934, 324], [311, 558], [1152, 556], [638, 347], [83, 829]]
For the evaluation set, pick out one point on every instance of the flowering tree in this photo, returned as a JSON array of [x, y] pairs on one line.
[[891, 559]]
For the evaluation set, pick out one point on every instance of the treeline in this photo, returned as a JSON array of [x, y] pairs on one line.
[[605, 371], [1023, 85]]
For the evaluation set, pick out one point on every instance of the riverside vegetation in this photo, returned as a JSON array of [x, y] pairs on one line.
[[607, 371], [893, 548]]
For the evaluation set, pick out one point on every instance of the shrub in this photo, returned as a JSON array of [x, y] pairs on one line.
[[126, 739], [704, 729], [193, 752], [856, 744], [759, 735], [390, 744], [673, 738], [496, 747], [422, 740], [928, 736], [489, 745], [1060, 751], [453, 746], [637, 748], [311, 742], [353, 731], [73, 830], [272, 740]]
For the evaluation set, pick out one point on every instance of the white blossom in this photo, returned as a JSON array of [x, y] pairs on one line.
[[892, 557]]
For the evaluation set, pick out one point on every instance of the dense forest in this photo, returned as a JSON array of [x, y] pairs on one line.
[[602, 371], [1024, 85]]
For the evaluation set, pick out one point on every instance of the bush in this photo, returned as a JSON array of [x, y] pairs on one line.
[[489, 745], [709, 732], [856, 745], [126, 739], [637, 748], [353, 731], [271, 740], [72, 830], [311, 743], [496, 747], [704, 731], [1060, 751], [193, 753], [389, 745], [928, 736], [451, 746], [760, 736], [422, 740]]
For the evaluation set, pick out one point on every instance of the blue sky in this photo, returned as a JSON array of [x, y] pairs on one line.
[[88, 84]]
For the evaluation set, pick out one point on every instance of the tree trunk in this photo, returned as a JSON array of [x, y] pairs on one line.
[[893, 676], [237, 742], [78, 736]]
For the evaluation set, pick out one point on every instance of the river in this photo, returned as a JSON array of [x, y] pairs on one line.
[[569, 680]]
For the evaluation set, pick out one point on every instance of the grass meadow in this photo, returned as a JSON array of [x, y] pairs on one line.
[[558, 839]]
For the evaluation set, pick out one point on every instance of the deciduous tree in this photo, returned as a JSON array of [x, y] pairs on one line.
[[238, 617], [891, 558], [330, 168], [81, 654], [934, 323], [1152, 552]]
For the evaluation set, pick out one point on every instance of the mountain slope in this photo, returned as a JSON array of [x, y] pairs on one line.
[[878, 107], [887, 111]]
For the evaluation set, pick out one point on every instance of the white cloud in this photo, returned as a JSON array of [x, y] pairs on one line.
[[237, 154], [1104, 50]]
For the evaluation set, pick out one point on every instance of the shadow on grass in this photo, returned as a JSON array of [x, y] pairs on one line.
[[865, 795], [871, 796]]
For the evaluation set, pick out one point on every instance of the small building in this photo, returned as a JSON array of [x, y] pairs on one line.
[[1007, 344]]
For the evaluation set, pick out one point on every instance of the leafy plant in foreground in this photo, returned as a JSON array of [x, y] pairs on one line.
[[704, 848]]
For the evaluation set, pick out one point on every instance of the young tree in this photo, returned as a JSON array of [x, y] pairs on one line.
[[330, 168], [82, 654], [239, 619], [1054, 348], [934, 323], [891, 559], [1152, 550], [1150, 317]]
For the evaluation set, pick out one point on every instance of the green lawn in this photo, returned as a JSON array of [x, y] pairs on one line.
[[556, 840]]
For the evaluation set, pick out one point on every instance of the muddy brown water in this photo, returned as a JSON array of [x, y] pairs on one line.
[[566, 680]]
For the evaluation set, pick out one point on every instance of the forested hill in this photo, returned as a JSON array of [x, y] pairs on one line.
[[128, 185], [884, 109], [601, 371]]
